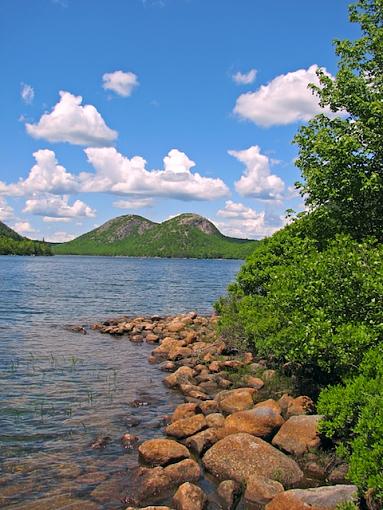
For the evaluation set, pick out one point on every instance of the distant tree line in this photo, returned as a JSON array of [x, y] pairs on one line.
[[9, 246]]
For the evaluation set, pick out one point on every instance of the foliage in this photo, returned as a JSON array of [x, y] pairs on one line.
[[9, 246], [312, 294], [318, 310], [354, 419], [340, 157], [173, 238], [347, 506]]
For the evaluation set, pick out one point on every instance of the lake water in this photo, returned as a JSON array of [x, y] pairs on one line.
[[60, 390]]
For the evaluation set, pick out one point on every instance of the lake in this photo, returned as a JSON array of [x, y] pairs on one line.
[[61, 390]]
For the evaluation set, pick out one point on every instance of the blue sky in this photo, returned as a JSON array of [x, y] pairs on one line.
[[157, 107]]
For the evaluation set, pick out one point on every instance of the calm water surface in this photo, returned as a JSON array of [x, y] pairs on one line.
[[60, 390]]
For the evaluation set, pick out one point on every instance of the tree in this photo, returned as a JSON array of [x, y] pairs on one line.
[[341, 157]]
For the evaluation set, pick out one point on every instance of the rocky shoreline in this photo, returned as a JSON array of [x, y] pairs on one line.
[[240, 440]]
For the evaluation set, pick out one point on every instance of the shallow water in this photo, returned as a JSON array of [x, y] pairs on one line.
[[60, 390]]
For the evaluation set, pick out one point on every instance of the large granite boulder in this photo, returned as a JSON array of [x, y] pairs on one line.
[[160, 452], [299, 434], [319, 498], [231, 401], [239, 456], [260, 421], [187, 426]]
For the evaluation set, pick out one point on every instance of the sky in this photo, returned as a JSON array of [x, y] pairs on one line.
[[156, 108]]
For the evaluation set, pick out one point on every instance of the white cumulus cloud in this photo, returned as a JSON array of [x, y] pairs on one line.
[[6, 211], [257, 180], [24, 227], [46, 176], [135, 203], [286, 99], [245, 78], [244, 222], [71, 122], [118, 174], [58, 207], [122, 83], [27, 93]]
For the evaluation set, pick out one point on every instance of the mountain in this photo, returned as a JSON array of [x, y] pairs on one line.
[[12, 243], [187, 235], [6, 231]]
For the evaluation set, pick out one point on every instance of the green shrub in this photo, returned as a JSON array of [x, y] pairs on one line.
[[321, 310], [354, 420]]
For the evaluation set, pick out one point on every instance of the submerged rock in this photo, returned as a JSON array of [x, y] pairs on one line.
[[154, 483]]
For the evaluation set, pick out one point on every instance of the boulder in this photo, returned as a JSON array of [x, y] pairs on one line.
[[203, 440], [187, 426], [260, 490], [175, 326], [215, 420], [270, 404], [184, 411], [223, 383], [165, 347], [284, 402], [182, 375], [208, 407], [189, 497], [154, 483], [260, 421], [215, 366], [339, 474], [254, 382], [228, 492], [191, 390], [168, 366], [238, 456], [209, 387], [151, 338], [129, 441], [319, 498], [231, 401], [160, 452], [189, 337], [298, 434], [300, 405], [179, 352]]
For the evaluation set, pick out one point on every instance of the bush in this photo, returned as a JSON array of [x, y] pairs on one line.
[[354, 420], [320, 310]]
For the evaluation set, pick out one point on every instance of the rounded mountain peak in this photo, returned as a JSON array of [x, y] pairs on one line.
[[197, 221]]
